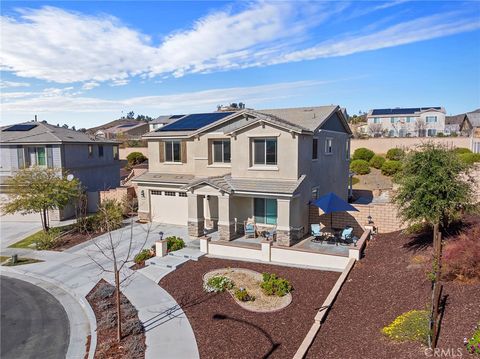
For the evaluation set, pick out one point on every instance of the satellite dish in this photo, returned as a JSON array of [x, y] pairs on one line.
[[70, 177]]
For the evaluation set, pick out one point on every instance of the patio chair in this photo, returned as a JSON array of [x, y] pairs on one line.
[[316, 231], [250, 228], [271, 235], [346, 236]]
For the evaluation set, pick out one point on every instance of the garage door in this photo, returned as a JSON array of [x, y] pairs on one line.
[[169, 207]]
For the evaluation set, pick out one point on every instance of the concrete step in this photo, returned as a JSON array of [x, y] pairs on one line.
[[188, 253], [194, 244], [171, 262], [155, 272]]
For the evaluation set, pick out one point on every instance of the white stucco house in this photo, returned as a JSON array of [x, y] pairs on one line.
[[218, 169], [406, 122]]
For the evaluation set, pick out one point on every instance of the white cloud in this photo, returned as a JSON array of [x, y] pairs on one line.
[[74, 47], [10, 84], [90, 85]]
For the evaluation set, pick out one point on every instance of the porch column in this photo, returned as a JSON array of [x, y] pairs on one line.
[[195, 215], [283, 222], [226, 221]]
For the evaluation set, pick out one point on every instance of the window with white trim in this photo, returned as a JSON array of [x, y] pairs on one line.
[[265, 210], [265, 151], [329, 145], [221, 151], [172, 151], [431, 119], [90, 151], [314, 193], [376, 120]]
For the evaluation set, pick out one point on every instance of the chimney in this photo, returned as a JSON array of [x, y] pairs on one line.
[[35, 118]]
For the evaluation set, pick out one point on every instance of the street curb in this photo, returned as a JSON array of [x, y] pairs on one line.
[[87, 310]]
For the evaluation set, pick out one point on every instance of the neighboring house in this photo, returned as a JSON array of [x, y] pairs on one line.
[[218, 169], [132, 130], [161, 121], [471, 127], [406, 122], [92, 161], [452, 124]]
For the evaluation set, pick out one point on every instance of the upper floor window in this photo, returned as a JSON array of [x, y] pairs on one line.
[[100, 150], [314, 193], [315, 149], [329, 145], [347, 149], [221, 151], [115, 153], [409, 119], [172, 151], [393, 120], [376, 120], [265, 151], [90, 151], [431, 119]]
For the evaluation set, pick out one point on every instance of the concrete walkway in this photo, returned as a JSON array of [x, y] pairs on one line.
[[168, 332]]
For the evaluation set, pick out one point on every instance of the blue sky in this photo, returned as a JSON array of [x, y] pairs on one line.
[[84, 63]]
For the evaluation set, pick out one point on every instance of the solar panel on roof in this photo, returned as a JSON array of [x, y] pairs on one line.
[[128, 125], [175, 117], [20, 128], [401, 111], [195, 121]]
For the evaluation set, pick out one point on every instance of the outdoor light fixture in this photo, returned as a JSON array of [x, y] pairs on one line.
[[142, 193], [161, 235], [369, 218]]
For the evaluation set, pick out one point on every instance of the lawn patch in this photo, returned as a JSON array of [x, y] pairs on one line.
[[20, 261]]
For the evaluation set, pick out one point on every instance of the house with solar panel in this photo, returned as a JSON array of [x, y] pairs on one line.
[[93, 161], [406, 122], [132, 130], [216, 171]]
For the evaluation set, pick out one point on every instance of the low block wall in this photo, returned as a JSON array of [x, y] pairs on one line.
[[384, 215], [298, 257], [382, 145], [223, 250], [124, 152], [119, 194]]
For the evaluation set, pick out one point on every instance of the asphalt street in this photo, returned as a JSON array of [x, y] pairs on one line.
[[33, 323]]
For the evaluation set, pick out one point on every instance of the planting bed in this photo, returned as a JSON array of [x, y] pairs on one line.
[[223, 329], [389, 281], [102, 300]]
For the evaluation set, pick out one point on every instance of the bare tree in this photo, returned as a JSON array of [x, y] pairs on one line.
[[420, 127], [113, 258], [375, 129]]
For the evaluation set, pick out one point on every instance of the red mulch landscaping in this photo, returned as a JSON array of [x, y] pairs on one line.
[[385, 284], [132, 346], [225, 330]]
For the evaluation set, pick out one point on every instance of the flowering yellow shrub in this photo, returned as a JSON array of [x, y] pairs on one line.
[[412, 326]]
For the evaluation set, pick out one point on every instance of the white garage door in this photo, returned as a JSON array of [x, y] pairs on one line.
[[169, 207]]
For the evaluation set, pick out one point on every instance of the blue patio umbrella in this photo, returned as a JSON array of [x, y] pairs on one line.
[[330, 203]]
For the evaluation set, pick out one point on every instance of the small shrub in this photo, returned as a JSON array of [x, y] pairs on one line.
[[453, 134], [461, 150], [363, 154], [410, 326], [143, 256], [395, 154], [390, 167], [415, 228], [461, 257], [473, 344], [440, 134], [355, 180], [109, 216], [174, 243], [469, 158], [136, 158], [87, 224], [218, 283], [47, 240], [242, 295], [377, 161], [360, 167], [273, 285]]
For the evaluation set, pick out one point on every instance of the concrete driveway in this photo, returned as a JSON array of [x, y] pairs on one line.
[[43, 333], [14, 231]]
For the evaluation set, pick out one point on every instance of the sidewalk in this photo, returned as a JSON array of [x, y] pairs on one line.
[[168, 332]]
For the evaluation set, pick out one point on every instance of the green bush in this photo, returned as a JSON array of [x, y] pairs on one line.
[[363, 154], [136, 158], [461, 150], [453, 134], [218, 283], [109, 216], [143, 256], [355, 180], [273, 285], [440, 134], [410, 326], [377, 161], [473, 344], [469, 158], [47, 240], [360, 167], [174, 243], [389, 168], [395, 154], [242, 295]]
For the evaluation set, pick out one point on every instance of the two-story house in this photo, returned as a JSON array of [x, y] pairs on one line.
[[471, 127], [94, 161], [218, 169], [406, 122]]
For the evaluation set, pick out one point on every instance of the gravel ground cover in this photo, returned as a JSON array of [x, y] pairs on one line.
[[225, 330], [389, 281]]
